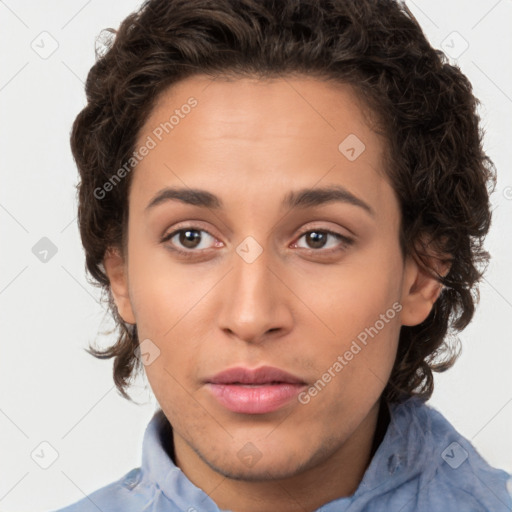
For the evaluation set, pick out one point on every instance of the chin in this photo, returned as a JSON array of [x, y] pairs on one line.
[[262, 471]]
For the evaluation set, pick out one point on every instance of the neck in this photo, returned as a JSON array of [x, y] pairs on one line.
[[336, 476]]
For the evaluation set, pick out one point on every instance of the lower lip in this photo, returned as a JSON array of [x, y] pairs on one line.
[[254, 399]]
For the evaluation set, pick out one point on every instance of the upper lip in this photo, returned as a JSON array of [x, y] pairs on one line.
[[261, 375]]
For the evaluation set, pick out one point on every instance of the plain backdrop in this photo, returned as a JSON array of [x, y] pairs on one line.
[[52, 391]]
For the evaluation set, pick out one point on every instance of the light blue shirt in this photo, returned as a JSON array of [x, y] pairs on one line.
[[422, 465]]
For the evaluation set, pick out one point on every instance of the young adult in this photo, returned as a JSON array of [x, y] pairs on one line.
[[286, 203]]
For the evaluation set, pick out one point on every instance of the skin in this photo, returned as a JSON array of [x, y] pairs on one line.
[[297, 306]]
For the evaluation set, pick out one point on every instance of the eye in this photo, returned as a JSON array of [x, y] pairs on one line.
[[188, 239], [323, 239]]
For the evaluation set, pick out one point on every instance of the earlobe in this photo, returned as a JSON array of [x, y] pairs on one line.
[[116, 271], [420, 291]]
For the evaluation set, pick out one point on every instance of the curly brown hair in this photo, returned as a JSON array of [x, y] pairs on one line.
[[425, 107]]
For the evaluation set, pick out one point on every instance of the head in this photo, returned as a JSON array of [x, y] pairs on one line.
[[332, 176]]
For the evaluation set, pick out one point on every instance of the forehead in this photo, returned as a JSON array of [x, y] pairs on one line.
[[254, 110], [244, 133]]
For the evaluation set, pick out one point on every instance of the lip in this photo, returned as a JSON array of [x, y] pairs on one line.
[[254, 391], [261, 375]]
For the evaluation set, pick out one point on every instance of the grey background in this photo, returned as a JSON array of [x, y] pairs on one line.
[[51, 390]]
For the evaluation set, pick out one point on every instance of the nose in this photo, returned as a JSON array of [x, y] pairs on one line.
[[256, 303]]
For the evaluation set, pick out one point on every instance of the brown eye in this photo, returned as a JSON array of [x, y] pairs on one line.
[[322, 239], [189, 239], [316, 239]]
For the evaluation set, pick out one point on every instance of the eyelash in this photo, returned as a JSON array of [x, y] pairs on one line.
[[345, 242]]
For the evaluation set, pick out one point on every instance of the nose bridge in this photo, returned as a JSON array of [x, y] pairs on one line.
[[253, 302]]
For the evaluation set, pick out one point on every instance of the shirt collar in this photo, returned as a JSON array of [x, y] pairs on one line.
[[159, 468], [401, 455]]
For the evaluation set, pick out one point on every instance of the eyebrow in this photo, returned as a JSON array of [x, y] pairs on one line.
[[303, 198]]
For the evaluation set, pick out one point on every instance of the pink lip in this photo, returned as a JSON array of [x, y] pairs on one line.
[[256, 391]]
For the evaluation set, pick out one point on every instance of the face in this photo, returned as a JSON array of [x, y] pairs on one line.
[[278, 246]]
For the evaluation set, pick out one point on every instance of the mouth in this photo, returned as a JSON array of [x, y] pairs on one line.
[[254, 391]]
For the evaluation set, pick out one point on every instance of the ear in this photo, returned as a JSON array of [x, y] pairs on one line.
[[420, 289], [116, 271]]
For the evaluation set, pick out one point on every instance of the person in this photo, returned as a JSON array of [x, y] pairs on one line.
[[286, 204]]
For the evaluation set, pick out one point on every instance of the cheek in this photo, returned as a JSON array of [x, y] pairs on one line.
[[352, 297], [359, 309], [172, 310], [175, 395], [160, 294]]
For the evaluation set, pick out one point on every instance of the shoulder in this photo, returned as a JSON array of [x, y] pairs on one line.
[[457, 478], [129, 493]]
